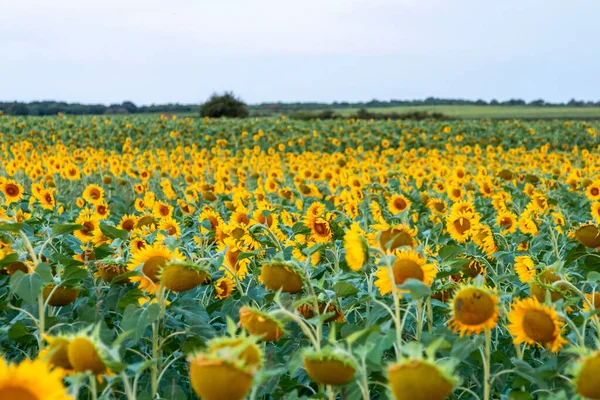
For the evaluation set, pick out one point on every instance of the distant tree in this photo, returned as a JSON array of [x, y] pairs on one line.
[[130, 107], [537, 103], [225, 105], [17, 109], [494, 102]]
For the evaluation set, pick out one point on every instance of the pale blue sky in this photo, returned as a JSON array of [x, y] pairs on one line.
[[157, 51]]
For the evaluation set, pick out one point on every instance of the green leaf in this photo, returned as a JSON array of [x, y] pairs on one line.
[[113, 233], [17, 330], [72, 276], [450, 251], [593, 276], [9, 259], [62, 229], [344, 289], [16, 227], [26, 286], [137, 319], [416, 288], [44, 270], [528, 372], [102, 251]]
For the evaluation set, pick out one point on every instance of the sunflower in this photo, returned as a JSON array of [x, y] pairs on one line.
[[56, 353], [223, 288], [170, 226], [89, 223], [149, 261], [12, 191], [329, 366], [507, 222], [162, 210], [588, 235], [407, 264], [418, 379], [128, 222], [220, 375], [398, 203], [87, 353], [46, 199], [592, 192], [473, 310], [101, 210], [182, 277], [281, 275], [356, 247], [31, 380], [261, 324], [525, 268], [484, 238], [460, 225], [93, 194], [542, 283], [535, 323], [243, 346], [391, 237], [320, 231], [586, 372]]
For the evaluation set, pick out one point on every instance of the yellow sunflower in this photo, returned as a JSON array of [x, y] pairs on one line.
[[525, 268], [356, 247], [473, 310], [586, 376], [12, 191], [93, 194], [534, 323], [150, 260], [31, 380], [408, 264], [223, 288], [507, 221], [398, 203]]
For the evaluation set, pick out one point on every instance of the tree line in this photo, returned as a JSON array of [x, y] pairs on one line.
[[41, 108]]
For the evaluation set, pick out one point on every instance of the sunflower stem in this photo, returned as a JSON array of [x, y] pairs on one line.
[[486, 365], [419, 319], [93, 387], [429, 315], [127, 385]]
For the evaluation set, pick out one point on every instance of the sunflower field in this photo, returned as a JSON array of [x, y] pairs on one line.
[[157, 257]]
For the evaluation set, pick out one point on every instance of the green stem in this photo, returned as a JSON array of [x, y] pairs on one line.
[[486, 366]]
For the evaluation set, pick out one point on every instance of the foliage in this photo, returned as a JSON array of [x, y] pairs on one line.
[[225, 105]]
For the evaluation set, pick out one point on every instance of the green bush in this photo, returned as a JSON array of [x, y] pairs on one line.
[[225, 105]]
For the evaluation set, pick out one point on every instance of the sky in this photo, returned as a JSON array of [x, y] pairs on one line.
[[159, 51]]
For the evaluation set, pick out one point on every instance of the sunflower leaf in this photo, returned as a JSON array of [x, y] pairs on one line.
[[113, 233], [61, 229], [26, 286]]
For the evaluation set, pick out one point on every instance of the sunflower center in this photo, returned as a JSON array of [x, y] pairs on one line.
[[506, 222], [128, 225], [538, 326], [399, 237], [405, 269], [595, 191], [95, 194], [462, 225], [473, 307], [12, 190], [321, 228], [152, 267], [88, 227], [400, 204], [84, 356], [17, 393]]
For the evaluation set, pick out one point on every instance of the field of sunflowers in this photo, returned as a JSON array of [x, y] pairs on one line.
[[146, 257]]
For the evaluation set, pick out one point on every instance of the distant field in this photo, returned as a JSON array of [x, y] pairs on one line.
[[495, 112]]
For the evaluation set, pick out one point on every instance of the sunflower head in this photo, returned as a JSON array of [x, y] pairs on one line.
[[585, 373], [261, 324], [329, 366], [149, 261], [87, 353], [56, 353], [59, 296], [535, 323], [542, 284], [181, 276], [396, 236], [242, 347], [417, 379], [474, 309], [281, 275], [407, 264], [307, 311], [31, 380], [108, 269], [220, 375], [588, 235]]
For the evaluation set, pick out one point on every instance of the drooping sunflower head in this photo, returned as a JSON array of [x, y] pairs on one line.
[[242, 347], [56, 353], [281, 275], [415, 378], [109, 268], [31, 380], [220, 375], [407, 264], [585, 373], [543, 283], [87, 353], [329, 366], [59, 296], [261, 324], [473, 309], [180, 276], [588, 235], [223, 288], [525, 268], [534, 323]]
